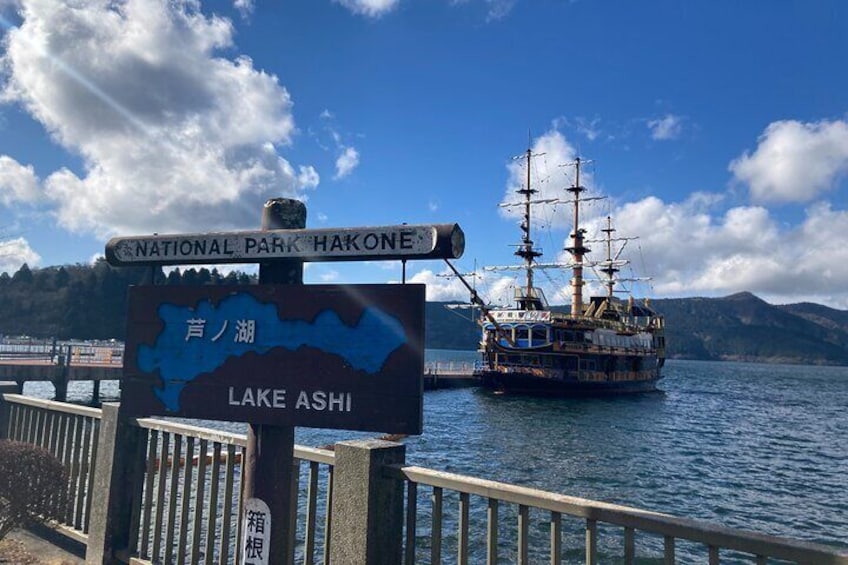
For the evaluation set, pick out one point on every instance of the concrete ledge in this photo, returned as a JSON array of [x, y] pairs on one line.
[[49, 546]]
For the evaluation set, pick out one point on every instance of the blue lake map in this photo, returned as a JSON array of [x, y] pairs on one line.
[[198, 340]]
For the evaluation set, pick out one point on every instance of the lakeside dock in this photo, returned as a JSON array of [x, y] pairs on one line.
[[61, 362]]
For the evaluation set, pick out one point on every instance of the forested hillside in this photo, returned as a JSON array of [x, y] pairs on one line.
[[89, 302], [745, 328], [82, 301]]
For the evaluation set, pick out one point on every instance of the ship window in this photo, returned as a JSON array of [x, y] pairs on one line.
[[540, 334], [587, 364], [522, 333]]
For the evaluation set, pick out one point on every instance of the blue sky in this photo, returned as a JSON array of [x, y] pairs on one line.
[[717, 130]]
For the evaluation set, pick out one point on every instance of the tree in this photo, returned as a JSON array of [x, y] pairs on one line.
[[23, 276], [32, 486], [62, 277], [175, 278]]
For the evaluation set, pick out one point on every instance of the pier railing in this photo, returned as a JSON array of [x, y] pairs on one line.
[[66, 353], [154, 491]]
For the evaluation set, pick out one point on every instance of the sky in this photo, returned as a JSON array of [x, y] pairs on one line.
[[715, 132]]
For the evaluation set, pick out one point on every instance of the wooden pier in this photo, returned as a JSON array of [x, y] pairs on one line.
[[441, 375], [60, 363]]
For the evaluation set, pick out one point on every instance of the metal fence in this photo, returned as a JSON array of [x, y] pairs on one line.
[[71, 434], [512, 524], [188, 507], [187, 500]]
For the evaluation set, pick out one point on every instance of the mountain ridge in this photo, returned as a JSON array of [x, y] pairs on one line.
[[89, 302]]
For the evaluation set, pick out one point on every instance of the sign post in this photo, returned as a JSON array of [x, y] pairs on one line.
[[279, 354], [269, 459]]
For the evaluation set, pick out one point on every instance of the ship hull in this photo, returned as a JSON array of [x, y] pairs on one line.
[[546, 373], [518, 383]]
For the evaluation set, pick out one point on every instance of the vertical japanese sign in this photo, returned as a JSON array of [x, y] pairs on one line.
[[345, 357], [256, 532]]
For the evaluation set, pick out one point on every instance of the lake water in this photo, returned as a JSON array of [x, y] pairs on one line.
[[759, 447]]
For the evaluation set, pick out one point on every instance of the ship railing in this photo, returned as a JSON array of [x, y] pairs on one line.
[[600, 322], [593, 348]]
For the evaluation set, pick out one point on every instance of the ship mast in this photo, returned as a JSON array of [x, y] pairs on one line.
[[577, 250], [526, 250], [609, 268]]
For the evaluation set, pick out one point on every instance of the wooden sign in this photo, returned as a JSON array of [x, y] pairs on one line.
[[345, 357], [438, 241]]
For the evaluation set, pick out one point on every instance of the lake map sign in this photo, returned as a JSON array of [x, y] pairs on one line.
[[328, 356]]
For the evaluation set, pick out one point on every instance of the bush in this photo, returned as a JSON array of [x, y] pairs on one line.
[[33, 486]]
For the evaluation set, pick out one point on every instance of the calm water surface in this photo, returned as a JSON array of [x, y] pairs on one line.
[[760, 447]]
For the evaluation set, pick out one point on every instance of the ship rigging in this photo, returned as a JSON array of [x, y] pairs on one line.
[[605, 346]]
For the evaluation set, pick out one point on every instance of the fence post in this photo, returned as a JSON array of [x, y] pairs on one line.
[[367, 507], [6, 387], [118, 474]]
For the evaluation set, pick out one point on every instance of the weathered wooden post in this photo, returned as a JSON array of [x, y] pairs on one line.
[[6, 387], [95, 392], [60, 377], [269, 463]]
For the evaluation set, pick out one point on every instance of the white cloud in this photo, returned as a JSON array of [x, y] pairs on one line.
[[794, 161], [690, 249], [346, 162], [590, 128], [698, 246], [499, 9], [347, 156], [440, 288], [667, 127], [17, 182], [14, 253], [308, 177], [329, 276], [702, 245], [369, 8], [245, 7], [173, 136], [551, 172]]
